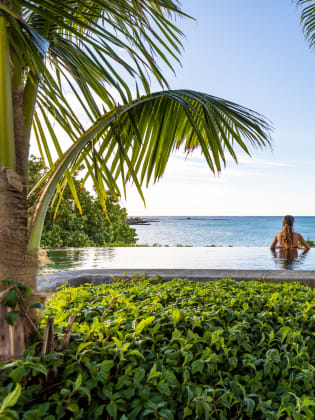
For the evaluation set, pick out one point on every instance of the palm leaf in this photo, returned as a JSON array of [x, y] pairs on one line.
[[150, 129], [93, 49], [109, 36], [308, 20]]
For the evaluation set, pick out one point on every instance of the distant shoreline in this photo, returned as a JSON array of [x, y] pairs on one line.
[[141, 221], [207, 216]]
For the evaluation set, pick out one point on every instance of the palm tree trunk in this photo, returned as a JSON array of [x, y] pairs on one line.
[[21, 139], [14, 261], [13, 229]]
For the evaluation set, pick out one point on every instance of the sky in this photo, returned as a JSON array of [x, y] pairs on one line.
[[252, 52]]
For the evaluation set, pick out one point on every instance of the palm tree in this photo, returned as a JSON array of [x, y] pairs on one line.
[[308, 20], [73, 72]]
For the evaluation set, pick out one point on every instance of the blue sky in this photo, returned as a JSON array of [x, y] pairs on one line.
[[252, 52]]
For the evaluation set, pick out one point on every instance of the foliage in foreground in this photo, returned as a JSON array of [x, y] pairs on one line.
[[68, 228], [174, 350]]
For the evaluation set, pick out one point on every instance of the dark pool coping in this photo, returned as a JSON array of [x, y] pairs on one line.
[[51, 281]]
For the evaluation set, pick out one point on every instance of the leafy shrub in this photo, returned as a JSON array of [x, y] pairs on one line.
[[311, 243], [174, 350], [92, 228]]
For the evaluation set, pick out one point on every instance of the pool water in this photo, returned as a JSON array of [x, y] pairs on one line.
[[243, 258]]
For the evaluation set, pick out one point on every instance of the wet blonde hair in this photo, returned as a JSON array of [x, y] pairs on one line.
[[287, 231]]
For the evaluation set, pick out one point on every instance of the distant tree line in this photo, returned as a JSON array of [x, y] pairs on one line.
[[68, 228]]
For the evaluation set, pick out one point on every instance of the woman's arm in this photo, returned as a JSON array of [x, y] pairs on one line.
[[274, 242], [305, 245]]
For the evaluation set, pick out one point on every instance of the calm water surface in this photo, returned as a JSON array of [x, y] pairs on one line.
[[245, 258], [250, 231]]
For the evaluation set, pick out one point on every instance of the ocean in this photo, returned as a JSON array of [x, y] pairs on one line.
[[236, 231]]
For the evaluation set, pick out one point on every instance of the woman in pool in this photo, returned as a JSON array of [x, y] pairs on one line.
[[287, 239]]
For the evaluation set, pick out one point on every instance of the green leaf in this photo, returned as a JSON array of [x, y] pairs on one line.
[[164, 389], [175, 316], [39, 368], [9, 282], [117, 342], [144, 324], [6, 281], [83, 346], [18, 374], [187, 412], [233, 361], [285, 331], [11, 317], [123, 381], [271, 335], [138, 375], [166, 414], [99, 411], [153, 373], [112, 409], [9, 415], [11, 298], [274, 296], [136, 353], [74, 407], [106, 365], [78, 382], [307, 402], [197, 366], [83, 390], [11, 399], [147, 412], [250, 405]]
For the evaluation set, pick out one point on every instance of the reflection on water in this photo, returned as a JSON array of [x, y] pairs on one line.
[[79, 258], [242, 258], [289, 259]]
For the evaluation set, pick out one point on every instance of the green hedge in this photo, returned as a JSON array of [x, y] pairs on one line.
[[175, 350]]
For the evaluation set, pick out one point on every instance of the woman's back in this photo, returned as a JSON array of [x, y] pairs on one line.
[[287, 238], [296, 238]]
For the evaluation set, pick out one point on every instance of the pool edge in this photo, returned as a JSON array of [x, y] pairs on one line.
[[50, 282]]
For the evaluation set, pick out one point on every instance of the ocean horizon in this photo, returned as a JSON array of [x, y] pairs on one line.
[[253, 231]]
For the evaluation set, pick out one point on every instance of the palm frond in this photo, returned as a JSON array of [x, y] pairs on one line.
[[135, 141], [308, 20], [123, 35], [93, 50]]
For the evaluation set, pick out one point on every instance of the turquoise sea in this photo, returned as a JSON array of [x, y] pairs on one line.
[[253, 231]]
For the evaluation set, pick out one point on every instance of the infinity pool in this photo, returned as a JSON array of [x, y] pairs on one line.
[[243, 258]]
